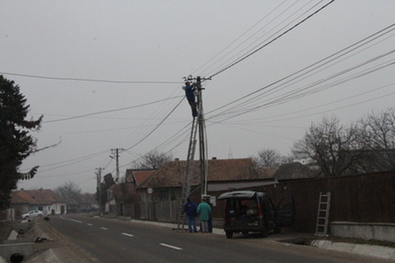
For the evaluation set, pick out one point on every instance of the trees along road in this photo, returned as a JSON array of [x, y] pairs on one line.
[[109, 240]]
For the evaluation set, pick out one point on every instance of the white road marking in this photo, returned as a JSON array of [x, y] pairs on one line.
[[104, 228], [89, 224], [128, 235], [77, 221], [170, 246]]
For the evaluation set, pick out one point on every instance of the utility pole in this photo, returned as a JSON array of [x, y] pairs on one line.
[[116, 153], [199, 123], [202, 139], [98, 178]]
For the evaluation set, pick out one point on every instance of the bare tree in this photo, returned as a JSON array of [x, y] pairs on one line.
[[270, 158], [69, 191], [153, 160], [326, 144], [378, 137]]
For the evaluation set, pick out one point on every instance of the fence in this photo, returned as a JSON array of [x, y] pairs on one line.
[[363, 198], [366, 198], [164, 211]]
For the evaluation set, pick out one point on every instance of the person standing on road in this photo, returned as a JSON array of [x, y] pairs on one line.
[[204, 211], [190, 211]]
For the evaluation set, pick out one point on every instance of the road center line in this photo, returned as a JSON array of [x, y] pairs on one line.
[[128, 235], [77, 221], [89, 224], [104, 228], [170, 246]]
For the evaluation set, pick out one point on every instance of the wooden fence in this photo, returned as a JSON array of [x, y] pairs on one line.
[[367, 198]]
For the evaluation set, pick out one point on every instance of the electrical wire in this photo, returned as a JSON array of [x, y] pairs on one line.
[[159, 124], [306, 90], [238, 38], [271, 41], [108, 111], [243, 51], [92, 80], [298, 74]]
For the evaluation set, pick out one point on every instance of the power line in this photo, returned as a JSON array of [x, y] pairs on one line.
[[261, 29], [108, 111], [271, 41], [91, 80], [234, 41], [316, 107], [306, 89], [298, 74], [159, 124]]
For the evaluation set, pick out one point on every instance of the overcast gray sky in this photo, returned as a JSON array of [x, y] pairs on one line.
[[135, 54]]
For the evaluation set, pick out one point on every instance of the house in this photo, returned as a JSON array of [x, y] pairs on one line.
[[160, 193], [44, 200], [137, 176], [121, 198], [82, 203], [293, 170], [87, 202]]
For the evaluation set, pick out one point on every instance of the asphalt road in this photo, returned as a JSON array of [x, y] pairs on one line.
[[108, 240]]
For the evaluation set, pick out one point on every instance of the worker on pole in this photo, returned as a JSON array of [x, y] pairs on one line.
[[190, 94]]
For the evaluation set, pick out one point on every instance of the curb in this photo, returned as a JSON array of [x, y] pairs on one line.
[[365, 250]]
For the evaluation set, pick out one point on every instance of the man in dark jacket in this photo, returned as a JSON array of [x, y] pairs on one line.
[[190, 211], [190, 94]]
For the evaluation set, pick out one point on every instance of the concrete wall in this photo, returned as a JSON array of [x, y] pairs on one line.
[[367, 231]]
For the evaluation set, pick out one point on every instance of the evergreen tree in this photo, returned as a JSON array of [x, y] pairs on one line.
[[16, 143]]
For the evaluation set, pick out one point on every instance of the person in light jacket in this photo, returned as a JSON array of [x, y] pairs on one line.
[[204, 212]]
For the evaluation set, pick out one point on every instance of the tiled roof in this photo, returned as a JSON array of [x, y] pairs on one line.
[[138, 176], [293, 171], [171, 173], [42, 196], [21, 197]]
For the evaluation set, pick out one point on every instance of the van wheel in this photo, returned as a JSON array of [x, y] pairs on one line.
[[265, 232], [229, 234], [277, 230], [244, 233]]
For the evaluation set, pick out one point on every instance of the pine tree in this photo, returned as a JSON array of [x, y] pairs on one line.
[[16, 144]]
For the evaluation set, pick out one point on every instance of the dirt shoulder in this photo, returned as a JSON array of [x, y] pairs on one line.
[[51, 246]]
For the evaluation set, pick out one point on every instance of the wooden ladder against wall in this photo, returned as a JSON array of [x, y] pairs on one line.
[[324, 205]]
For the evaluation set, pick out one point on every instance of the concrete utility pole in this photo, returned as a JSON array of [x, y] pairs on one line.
[[98, 177], [202, 139], [116, 153]]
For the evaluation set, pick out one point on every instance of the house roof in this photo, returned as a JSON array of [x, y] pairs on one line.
[[41, 197], [215, 186], [293, 171], [171, 173], [138, 175], [21, 197]]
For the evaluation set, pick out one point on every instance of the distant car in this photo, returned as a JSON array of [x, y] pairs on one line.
[[252, 211], [32, 214]]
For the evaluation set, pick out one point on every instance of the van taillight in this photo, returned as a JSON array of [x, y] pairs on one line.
[[260, 211]]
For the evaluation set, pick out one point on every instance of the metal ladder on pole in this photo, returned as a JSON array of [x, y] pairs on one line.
[[186, 186], [324, 205]]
